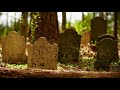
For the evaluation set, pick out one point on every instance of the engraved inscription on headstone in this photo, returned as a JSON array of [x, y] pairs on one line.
[[43, 55]]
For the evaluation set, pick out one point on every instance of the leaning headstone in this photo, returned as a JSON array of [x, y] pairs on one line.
[[43, 55], [98, 27], [107, 52], [13, 49], [69, 46]]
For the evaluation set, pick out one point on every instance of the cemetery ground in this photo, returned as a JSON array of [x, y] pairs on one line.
[[83, 69]]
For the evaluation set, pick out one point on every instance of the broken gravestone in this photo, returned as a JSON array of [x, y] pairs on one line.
[[98, 28], [42, 54], [69, 46], [107, 52], [13, 49]]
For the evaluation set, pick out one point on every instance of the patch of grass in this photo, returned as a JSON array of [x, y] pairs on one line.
[[17, 66], [87, 64]]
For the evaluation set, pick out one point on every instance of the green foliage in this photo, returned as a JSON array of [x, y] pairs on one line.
[[87, 20], [17, 66], [87, 64], [2, 30], [81, 25], [34, 24], [78, 26]]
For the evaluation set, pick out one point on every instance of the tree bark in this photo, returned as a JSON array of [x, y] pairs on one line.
[[63, 21], [48, 27], [30, 30], [23, 31], [42, 73]]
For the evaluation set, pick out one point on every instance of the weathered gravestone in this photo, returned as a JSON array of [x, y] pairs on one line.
[[107, 52], [69, 46], [98, 28], [43, 55], [116, 57], [13, 49], [104, 36]]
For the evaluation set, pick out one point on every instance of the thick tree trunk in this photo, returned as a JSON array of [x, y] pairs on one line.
[[23, 31], [48, 27], [41, 73], [63, 21]]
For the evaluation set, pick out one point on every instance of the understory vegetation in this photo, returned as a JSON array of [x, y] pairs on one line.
[[84, 65]]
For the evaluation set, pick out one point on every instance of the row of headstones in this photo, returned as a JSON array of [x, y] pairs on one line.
[[42, 54]]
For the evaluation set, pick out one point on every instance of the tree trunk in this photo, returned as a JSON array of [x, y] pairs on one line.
[[23, 31], [101, 14], [63, 21], [42, 73], [83, 16], [106, 15], [94, 14], [48, 27], [115, 24], [30, 30]]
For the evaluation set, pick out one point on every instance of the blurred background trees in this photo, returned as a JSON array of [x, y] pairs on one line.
[[27, 23]]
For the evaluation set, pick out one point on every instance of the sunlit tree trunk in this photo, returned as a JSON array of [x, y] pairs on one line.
[[63, 21], [115, 24], [48, 27], [30, 30], [23, 31]]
